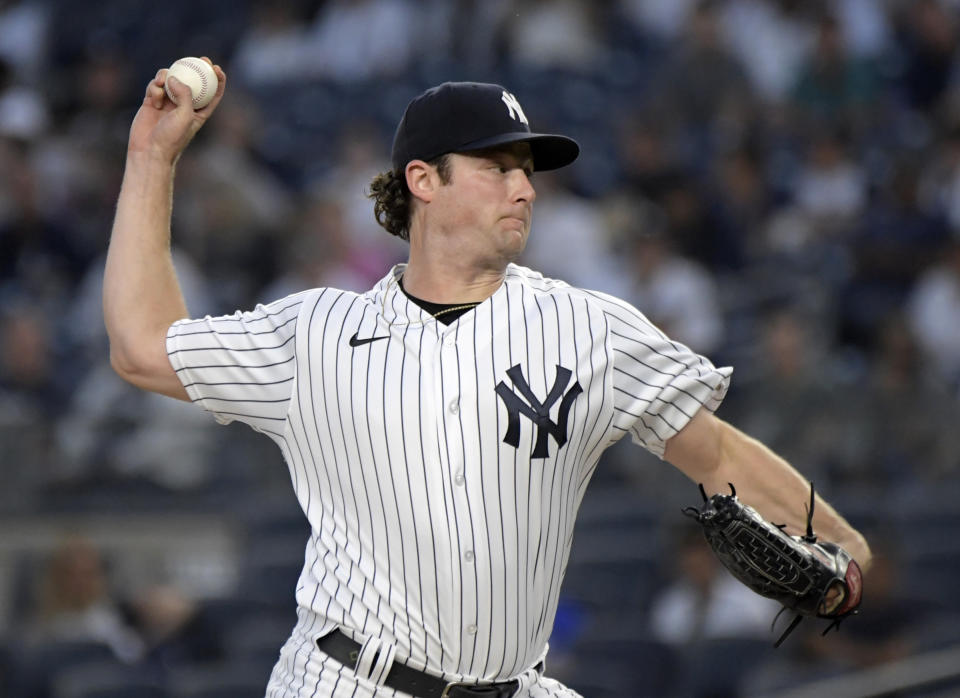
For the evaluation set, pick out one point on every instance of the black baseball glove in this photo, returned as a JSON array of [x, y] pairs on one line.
[[798, 571]]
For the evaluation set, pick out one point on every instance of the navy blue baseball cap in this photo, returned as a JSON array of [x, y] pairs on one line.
[[458, 117]]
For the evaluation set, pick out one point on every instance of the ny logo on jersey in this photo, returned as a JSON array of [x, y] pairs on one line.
[[513, 106], [536, 411]]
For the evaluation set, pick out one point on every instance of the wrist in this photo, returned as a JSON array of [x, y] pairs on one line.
[[146, 171], [859, 550], [149, 159]]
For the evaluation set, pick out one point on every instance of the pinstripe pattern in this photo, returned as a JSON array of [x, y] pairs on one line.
[[429, 531]]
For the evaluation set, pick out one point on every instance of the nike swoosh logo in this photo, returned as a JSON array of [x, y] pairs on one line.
[[356, 342]]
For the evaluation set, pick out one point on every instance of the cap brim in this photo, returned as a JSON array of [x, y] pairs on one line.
[[550, 151]]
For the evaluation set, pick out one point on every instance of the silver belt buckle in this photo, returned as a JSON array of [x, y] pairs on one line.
[[451, 686], [463, 684]]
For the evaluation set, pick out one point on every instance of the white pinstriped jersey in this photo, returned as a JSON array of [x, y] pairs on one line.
[[441, 467]]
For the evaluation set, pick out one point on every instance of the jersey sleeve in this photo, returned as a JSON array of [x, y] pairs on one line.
[[658, 384], [241, 366]]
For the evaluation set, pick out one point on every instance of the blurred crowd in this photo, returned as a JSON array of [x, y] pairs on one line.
[[775, 183]]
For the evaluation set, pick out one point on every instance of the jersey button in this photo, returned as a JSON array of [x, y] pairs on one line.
[[472, 629], [468, 556], [449, 341], [459, 480], [454, 405]]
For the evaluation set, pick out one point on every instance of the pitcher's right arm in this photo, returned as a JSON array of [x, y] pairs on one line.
[[141, 293]]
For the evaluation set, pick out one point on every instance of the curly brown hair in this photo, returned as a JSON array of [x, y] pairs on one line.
[[392, 198]]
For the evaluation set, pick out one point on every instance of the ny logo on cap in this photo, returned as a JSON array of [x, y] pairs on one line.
[[513, 106]]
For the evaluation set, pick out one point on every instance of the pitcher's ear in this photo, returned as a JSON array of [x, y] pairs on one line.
[[422, 179]]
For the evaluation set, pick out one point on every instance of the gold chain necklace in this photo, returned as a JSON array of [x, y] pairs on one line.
[[466, 306]]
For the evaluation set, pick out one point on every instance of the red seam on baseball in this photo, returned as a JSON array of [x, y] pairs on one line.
[[203, 78]]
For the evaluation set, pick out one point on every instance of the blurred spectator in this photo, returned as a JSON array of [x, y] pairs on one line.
[[697, 229], [889, 246], [907, 415], [865, 25], [830, 186], [554, 34], [39, 254], [740, 196], [939, 183], [90, 196], [834, 88], [810, 426], [24, 27], [663, 19], [934, 309], [112, 434], [571, 240], [233, 211], [32, 396], [649, 154], [33, 390], [358, 156], [174, 628], [772, 38], [83, 333], [703, 600], [79, 165], [230, 158], [320, 252], [466, 32], [362, 39], [702, 85], [927, 34], [115, 438], [652, 158], [678, 295], [275, 46], [24, 115], [100, 95], [77, 181], [75, 602], [30, 383]]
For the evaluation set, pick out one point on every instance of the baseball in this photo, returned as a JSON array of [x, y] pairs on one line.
[[196, 74]]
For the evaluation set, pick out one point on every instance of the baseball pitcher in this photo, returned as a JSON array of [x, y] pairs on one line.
[[440, 429]]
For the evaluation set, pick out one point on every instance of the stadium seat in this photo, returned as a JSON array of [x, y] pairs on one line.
[[34, 669], [630, 666], [228, 680], [106, 680]]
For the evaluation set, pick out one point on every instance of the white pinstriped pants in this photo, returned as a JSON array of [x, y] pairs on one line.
[[303, 671]]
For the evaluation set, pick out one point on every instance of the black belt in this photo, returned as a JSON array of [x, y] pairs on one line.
[[416, 683]]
